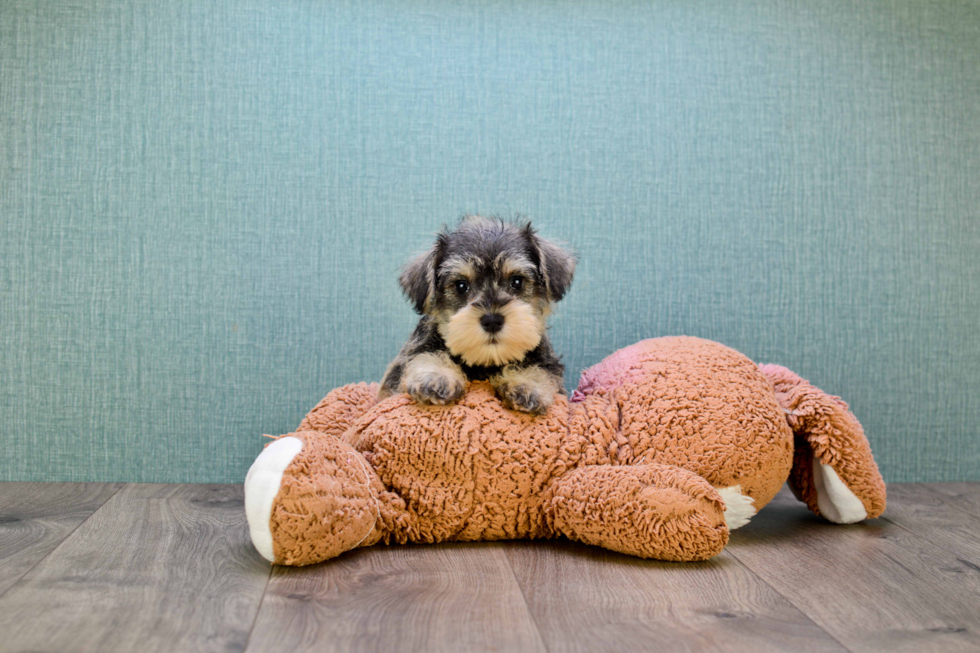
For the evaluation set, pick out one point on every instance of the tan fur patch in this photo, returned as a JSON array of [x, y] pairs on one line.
[[516, 266], [460, 266], [522, 332]]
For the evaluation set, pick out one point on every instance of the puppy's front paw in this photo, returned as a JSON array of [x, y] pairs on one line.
[[526, 398], [436, 388], [527, 389], [433, 378]]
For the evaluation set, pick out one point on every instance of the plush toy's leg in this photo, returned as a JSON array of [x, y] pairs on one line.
[[833, 471], [262, 485], [310, 496], [342, 406], [651, 511]]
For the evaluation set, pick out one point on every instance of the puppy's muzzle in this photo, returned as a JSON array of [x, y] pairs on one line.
[[492, 322]]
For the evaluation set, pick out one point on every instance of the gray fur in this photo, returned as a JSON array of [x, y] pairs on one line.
[[480, 251]]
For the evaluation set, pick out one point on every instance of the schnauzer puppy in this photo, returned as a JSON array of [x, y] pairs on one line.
[[484, 292]]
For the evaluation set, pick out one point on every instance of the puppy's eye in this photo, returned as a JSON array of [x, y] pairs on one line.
[[462, 287], [516, 283]]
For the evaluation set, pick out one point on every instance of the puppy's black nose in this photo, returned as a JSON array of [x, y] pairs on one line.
[[492, 322]]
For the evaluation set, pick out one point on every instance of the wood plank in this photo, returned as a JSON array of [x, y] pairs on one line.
[[873, 586], [953, 533], [588, 599], [157, 568], [965, 496], [445, 597], [36, 517]]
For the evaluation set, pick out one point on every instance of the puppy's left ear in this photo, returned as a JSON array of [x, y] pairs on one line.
[[557, 264]]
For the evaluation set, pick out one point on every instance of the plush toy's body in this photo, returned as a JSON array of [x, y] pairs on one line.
[[665, 447]]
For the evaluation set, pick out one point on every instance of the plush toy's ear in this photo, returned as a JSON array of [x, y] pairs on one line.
[[557, 264], [418, 277]]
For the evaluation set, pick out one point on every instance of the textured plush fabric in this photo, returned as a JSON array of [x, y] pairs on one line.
[[633, 464], [689, 402], [826, 429], [338, 411], [328, 503], [204, 204], [471, 471], [651, 511]]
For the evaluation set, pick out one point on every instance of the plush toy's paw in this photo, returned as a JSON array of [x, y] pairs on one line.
[[310, 497], [261, 487], [650, 510], [836, 501], [738, 507]]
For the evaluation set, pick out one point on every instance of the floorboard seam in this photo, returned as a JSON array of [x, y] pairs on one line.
[[258, 610], [788, 600], [527, 606], [897, 525], [63, 540]]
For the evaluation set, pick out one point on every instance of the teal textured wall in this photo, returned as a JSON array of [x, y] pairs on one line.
[[203, 205]]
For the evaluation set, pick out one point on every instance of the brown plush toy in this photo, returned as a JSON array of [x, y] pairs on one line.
[[665, 447]]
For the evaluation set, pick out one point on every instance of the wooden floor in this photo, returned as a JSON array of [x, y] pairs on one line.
[[116, 567]]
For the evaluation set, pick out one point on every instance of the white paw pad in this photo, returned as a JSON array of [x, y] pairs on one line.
[[836, 502], [738, 507], [261, 487]]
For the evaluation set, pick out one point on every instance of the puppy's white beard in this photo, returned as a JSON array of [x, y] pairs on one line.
[[466, 338]]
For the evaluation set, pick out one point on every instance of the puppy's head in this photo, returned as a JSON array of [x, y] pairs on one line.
[[489, 286]]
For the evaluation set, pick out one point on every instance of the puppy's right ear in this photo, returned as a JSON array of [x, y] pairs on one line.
[[418, 277], [556, 264]]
